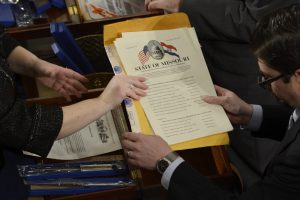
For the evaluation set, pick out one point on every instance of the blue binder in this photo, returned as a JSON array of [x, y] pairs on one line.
[[63, 56], [66, 41], [7, 17], [58, 3]]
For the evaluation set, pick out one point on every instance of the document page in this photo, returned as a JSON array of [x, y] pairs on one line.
[[97, 138], [177, 76]]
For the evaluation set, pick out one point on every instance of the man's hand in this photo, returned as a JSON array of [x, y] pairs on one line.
[[144, 150], [238, 111], [169, 6], [63, 80]]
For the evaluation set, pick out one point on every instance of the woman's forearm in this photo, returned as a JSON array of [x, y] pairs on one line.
[[79, 115], [22, 61]]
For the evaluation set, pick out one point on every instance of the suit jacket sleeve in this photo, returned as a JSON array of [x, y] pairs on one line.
[[275, 122], [229, 20], [187, 183]]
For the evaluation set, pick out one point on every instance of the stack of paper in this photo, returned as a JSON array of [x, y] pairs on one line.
[[177, 77], [97, 138]]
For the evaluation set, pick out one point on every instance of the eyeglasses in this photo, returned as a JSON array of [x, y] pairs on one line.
[[266, 82]]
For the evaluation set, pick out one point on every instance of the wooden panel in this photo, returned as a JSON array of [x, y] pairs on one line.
[[128, 193], [221, 160]]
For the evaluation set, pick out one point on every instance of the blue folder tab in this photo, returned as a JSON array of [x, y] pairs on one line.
[[58, 3], [7, 17], [63, 56], [66, 41]]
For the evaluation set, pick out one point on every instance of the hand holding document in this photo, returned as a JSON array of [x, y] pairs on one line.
[[177, 77]]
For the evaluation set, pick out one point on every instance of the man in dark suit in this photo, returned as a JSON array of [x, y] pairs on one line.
[[276, 42], [224, 28]]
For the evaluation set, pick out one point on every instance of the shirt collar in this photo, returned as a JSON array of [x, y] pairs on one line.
[[296, 114]]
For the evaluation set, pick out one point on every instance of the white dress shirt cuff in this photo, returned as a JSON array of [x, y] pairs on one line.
[[166, 177]]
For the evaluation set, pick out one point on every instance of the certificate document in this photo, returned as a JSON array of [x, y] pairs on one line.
[[97, 138], [177, 76]]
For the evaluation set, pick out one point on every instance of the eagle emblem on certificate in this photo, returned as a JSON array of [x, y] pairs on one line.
[[157, 51]]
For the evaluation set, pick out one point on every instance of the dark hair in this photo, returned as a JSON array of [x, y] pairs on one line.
[[276, 39]]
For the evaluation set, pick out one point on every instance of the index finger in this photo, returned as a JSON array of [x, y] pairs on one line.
[[220, 90], [130, 136], [146, 3], [75, 75]]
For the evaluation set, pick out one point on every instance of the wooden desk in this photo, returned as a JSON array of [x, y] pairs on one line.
[[210, 161]]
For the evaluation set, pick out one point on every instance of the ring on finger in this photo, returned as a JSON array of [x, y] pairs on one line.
[[128, 153]]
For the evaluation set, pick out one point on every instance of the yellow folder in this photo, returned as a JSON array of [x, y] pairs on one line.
[[162, 22]]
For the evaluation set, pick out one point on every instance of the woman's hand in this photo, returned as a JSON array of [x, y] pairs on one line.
[[122, 86], [169, 6], [237, 110], [63, 80]]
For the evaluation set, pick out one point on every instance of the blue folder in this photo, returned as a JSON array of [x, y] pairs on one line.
[[66, 41], [63, 56], [58, 3], [7, 17]]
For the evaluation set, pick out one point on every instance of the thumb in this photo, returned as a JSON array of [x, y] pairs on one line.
[[220, 90]]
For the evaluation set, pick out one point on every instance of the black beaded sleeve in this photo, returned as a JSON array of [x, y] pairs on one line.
[[7, 43], [33, 129]]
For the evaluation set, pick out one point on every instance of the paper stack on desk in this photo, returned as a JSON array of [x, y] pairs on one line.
[[177, 77], [99, 137]]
